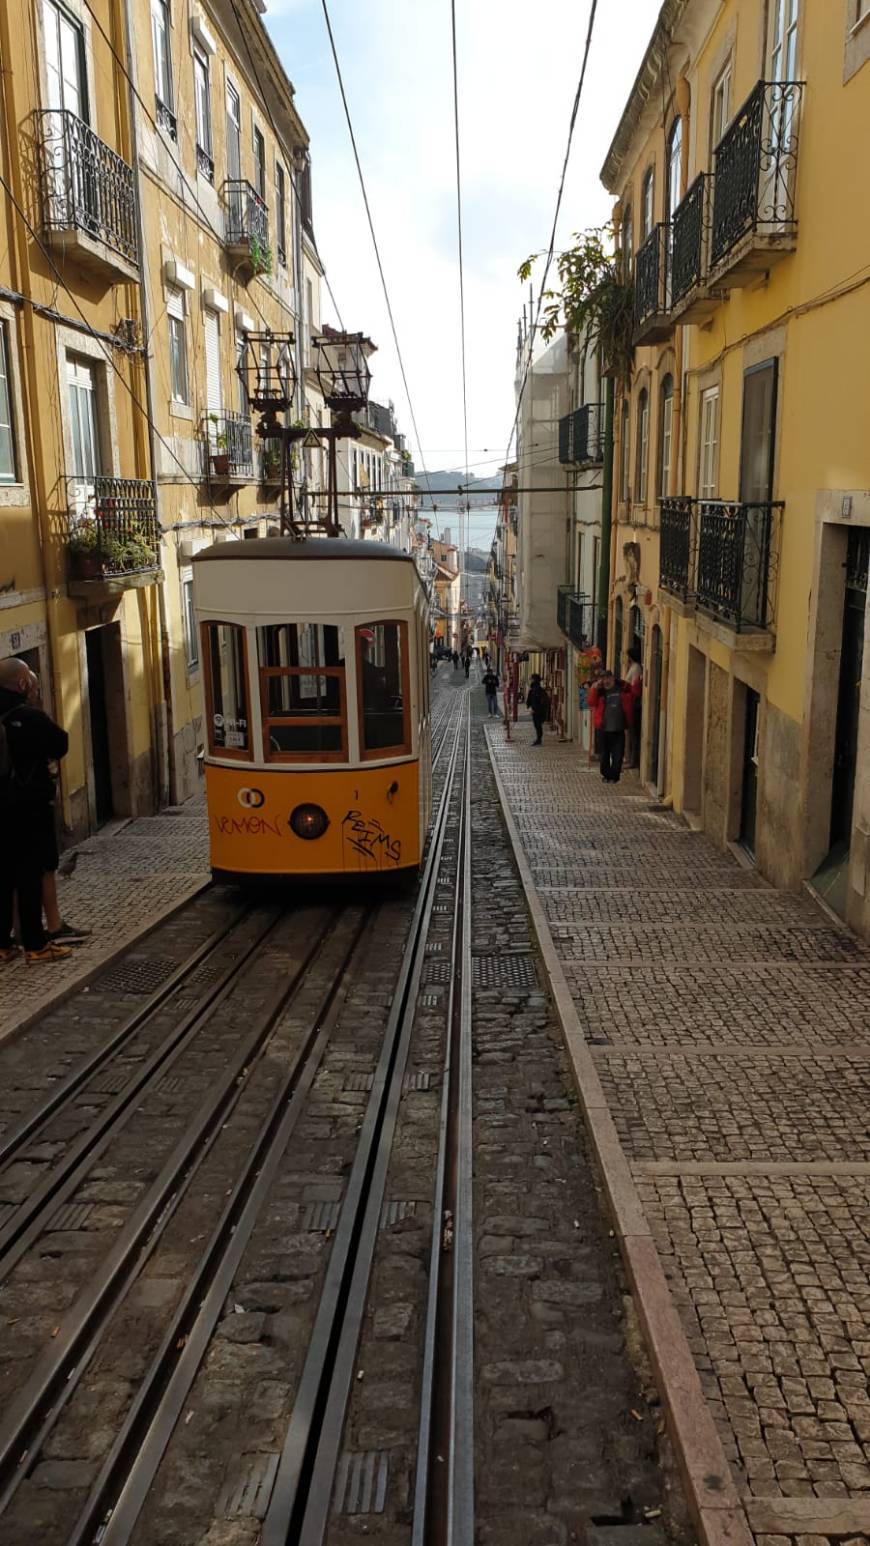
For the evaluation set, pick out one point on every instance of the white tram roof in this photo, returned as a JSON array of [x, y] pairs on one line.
[[278, 587]]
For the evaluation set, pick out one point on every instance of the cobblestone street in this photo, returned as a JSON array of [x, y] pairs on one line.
[[731, 1038]]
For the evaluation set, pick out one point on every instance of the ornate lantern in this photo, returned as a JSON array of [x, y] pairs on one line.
[[268, 372], [342, 369]]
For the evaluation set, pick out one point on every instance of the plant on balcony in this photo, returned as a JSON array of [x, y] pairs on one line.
[[218, 456], [94, 552], [261, 256], [594, 300]]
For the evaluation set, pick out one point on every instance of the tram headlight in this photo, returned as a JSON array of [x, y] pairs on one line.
[[309, 821]]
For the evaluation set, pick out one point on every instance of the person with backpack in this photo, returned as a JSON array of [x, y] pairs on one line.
[[490, 687], [612, 707], [538, 700], [29, 741]]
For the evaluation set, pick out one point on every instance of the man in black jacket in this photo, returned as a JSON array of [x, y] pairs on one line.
[[29, 740]]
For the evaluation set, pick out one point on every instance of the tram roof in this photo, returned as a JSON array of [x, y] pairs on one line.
[[320, 548]]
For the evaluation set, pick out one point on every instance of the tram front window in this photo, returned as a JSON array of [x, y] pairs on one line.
[[227, 689], [382, 672], [302, 691]]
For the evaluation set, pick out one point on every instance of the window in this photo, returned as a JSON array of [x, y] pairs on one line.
[[281, 213], [64, 61], [382, 687], [259, 163], [675, 165], [626, 452], [783, 53], [82, 390], [627, 243], [646, 208], [640, 466], [188, 617], [302, 692], [202, 94], [709, 450], [244, 405], [666, 423], [234, 133], [160, 36], [8, 461], [226, 689], [721, 104], [179, 388]]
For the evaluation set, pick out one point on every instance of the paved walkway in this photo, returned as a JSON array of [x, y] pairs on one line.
[[729, 1024], [122, 881]]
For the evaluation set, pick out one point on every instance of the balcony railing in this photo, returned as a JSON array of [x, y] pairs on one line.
[[113, 529], [755, 168], [677, 546], [687, 244], [738, 550], [247, 219], [229, 448], [652, 285], [86, 186], [581, 435], [575, 616]]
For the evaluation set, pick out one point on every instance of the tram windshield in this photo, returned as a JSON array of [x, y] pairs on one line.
[[382, 674], [226, 689], [302, 691]]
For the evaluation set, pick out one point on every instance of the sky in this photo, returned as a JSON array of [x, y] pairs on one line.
[[519, 63]]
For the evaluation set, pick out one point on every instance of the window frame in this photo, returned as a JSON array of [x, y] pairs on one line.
[[311, 755], [230, 753], [717, 95], [641, 455], [626, 243], [625, 467], [647, 203], [202, 105], [258, 160], [188, 622], [176, 313], [13, 479], [161, 17], [666, 422], [709, 394], [280, 213], [674, 186], [406, 748]]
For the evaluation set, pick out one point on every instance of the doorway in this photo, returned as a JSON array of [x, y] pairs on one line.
[[749, 785], [109, 773], [655, 698], [696, 715]]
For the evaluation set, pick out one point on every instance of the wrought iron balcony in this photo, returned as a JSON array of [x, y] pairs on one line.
[[228, 449], [754, 220], [113, 532], [691, 299], [247, 225], [166, 119], [88, 196], [738, 560], [677, 546], [652, 287], [581, 436], [575, 616]]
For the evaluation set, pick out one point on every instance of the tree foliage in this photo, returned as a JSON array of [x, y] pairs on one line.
[[593, 299]]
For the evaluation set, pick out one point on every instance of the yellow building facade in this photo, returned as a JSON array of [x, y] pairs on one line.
[[155, 211], [742, 522]]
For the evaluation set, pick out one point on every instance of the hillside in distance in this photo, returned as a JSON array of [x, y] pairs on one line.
[[444, 482]]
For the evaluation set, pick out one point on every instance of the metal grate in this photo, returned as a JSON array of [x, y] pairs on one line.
[[429, 1000], [73, 1215], [395, 1211], [436, 973], [318, 1216], [138, 976], [503, 972], [109, 1083], [246, 1495], [359, 1084], [361, 1482], [417, 1082]]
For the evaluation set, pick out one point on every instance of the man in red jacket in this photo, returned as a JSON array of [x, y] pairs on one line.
[[612, 708]]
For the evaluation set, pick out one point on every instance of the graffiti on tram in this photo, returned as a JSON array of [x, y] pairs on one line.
[[369, 839]]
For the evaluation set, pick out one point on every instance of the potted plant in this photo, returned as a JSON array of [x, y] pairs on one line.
[[86, 551], [271, 462], [220, 462], [261, 256]]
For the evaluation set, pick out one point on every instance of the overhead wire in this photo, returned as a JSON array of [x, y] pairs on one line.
[[462, 525]]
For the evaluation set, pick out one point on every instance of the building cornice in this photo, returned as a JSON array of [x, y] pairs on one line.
[[646, 83]]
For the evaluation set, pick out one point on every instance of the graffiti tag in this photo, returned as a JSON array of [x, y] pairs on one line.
[[248, 826], [368, 838]]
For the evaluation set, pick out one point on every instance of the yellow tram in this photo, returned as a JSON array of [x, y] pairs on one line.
[[316, 673]]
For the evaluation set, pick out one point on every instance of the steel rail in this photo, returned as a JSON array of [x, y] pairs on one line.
[[122, 1486], [31, 1216], [30, 1412], [444, 1492], [299, 1506], [92, 1064]]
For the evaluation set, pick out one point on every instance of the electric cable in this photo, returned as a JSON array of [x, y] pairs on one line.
[[463, 535]]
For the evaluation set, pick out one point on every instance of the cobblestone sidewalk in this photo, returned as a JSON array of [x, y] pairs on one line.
[[121, 882], [730, 1027]]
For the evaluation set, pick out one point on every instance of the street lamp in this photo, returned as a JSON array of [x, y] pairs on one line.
[[268, 374], [341, 365]]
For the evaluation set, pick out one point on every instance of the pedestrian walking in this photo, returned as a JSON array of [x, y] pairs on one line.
[[611, 705], [57, 929], [455, 658], [490, 687], [467, 663], [634, 678], [538, 700], [29, 741]]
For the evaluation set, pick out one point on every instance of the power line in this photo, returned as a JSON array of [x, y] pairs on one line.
[[371, 224], [552, 247], [462, 527]]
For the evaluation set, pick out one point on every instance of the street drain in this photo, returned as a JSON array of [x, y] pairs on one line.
[[73, 1215], [358, 1084], [320, 1215], [394, 1212], [505, 971], [436, 973], [247, 1494], [138, 976], [416, 1082], [110, 1083], [361, 1482]]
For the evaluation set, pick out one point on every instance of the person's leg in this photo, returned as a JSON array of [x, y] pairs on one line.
[[28, 884], [7, 895], [605, 756], [539, 728], [617, 755], [50, 908]]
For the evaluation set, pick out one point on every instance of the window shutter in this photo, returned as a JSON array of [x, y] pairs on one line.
[[175, 303], [213, 396]]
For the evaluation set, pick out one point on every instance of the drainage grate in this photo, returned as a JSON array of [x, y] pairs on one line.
[[171, 1085], [434, 947], [247, 1494], [394, 1212], [109, 1083], [435, 973], [503, 972], [361, 1482], [138, 976], [429, 1000], [441, 907], [359, 1084], [416, 1082], [73, 1215], [320, 1215]]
